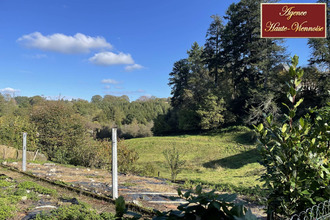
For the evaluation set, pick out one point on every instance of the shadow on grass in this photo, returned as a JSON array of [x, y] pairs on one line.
[[235, 161], [246, 138]]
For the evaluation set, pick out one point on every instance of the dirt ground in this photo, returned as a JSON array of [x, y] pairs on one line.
[[151, 193]]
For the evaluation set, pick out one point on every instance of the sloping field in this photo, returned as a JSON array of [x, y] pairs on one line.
[[227, 158]]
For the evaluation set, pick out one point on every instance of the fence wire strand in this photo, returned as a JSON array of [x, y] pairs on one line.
[[317, 212]]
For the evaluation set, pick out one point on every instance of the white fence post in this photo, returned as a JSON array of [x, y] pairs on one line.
[[114, 164], [24, 152]]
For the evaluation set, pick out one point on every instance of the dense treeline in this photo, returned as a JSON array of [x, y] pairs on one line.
[[76, 131], [237, 77]]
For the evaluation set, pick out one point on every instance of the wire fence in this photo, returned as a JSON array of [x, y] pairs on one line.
[[320, 211]]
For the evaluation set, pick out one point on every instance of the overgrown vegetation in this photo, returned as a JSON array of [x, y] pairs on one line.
[[296, 154], [207, 205], [14, 195], [76, 131], [75, 212]]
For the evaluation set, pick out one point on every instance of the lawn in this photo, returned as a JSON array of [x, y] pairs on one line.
[[223, 158]]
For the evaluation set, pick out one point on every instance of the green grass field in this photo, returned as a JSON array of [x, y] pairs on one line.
[[224, 158]]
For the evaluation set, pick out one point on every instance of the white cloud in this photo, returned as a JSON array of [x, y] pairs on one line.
[[109, 81], [133, 67], [126, 92], [36, 56], [79, 43], [109, 58], [9, 90]]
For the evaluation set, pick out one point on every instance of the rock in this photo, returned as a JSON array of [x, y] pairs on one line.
[[137, 203], [33, 164], [49, 164], [14, 163], [24, 198], [52, 170], [4, 163], [88, 169]]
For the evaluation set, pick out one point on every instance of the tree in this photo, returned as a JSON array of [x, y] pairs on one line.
[[211, 112], [213, 52], [249, 60], [60, 129], [179, 81], [321, 46]]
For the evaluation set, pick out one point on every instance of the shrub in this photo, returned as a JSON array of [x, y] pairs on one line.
[[296, 155], [173, 161], [61, 130], [11, 129], [148, 170], [126, 158], [207, 205]]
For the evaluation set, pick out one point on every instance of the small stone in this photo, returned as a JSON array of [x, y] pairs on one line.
[[4, 162], [49, 164], [88, 169], [28, 191], [24, 198], [137, 203], [77, 168], [53, 170], [34, 164], [14, 163]]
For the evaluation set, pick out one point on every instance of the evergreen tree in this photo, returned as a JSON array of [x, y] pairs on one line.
[[213, 51], [321, 46], [249, 60], [179, 81]]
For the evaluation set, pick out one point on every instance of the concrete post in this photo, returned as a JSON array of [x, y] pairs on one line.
[[114, 164], [24, 152]]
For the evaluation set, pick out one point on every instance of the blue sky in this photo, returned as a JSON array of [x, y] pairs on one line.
[[81, 48]]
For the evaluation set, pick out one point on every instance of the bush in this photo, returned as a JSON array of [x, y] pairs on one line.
[[11, 129], [126, 158], [296, 155], [173, 161], [60, 129], [208, 205]]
